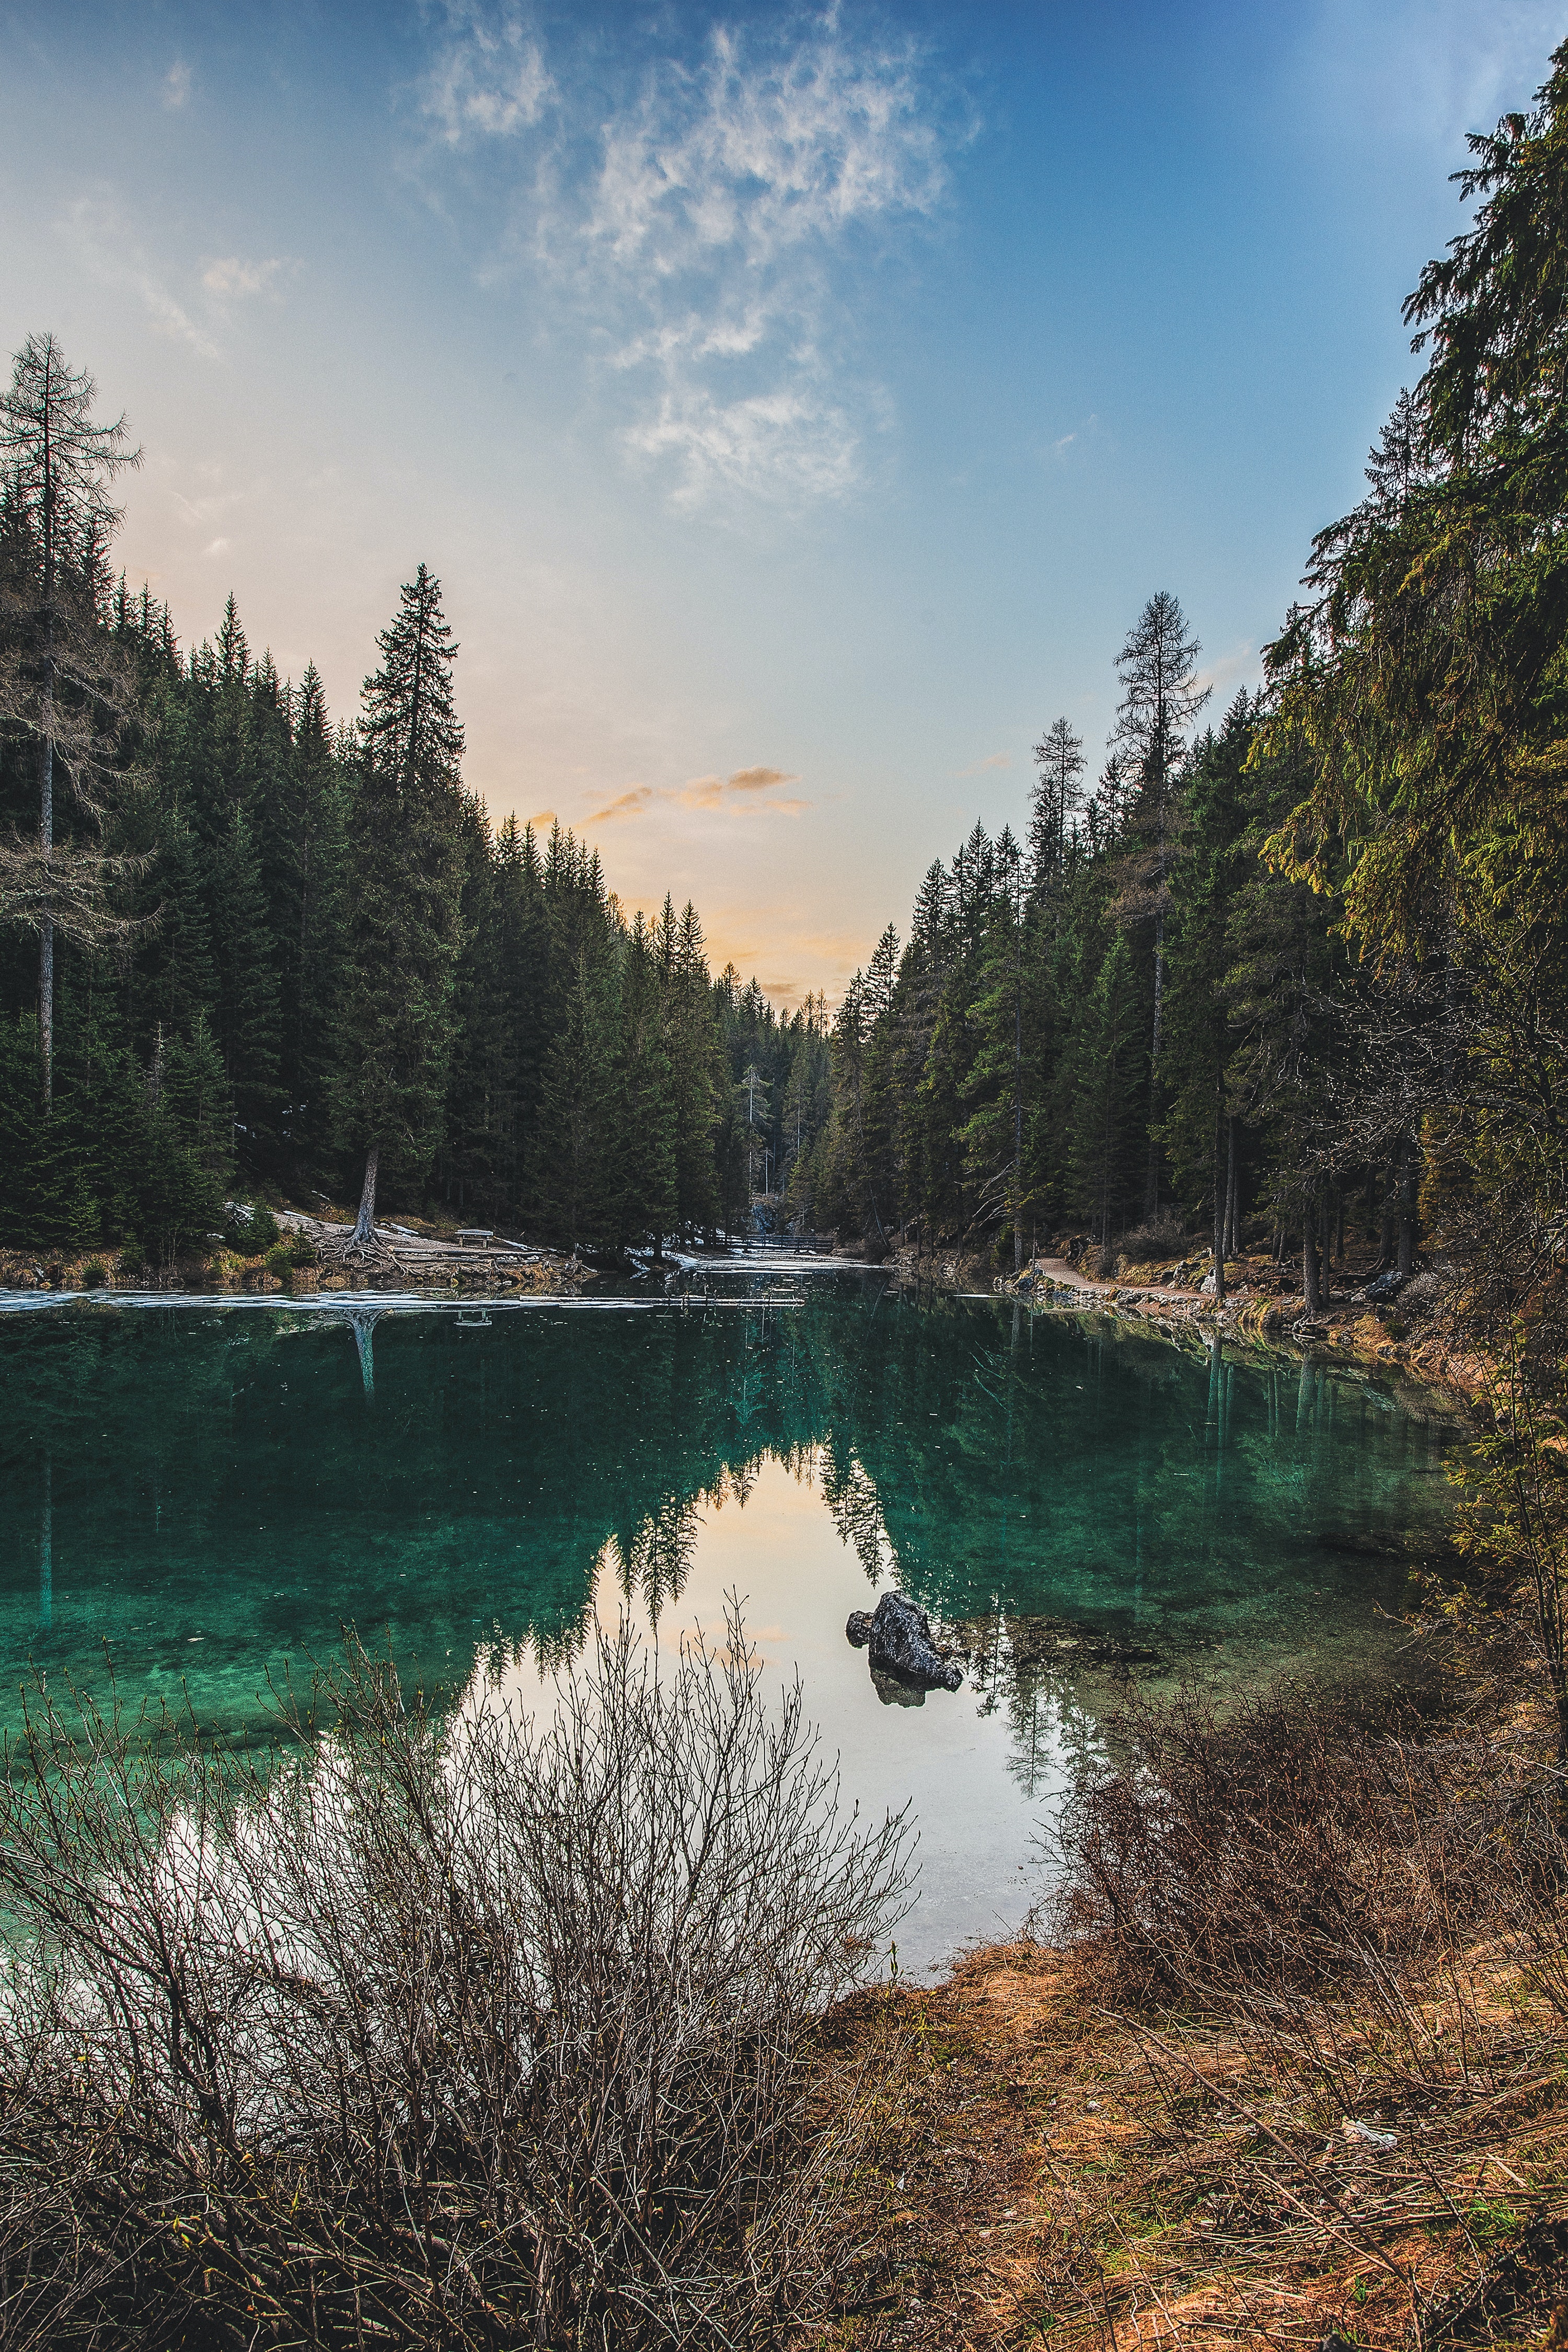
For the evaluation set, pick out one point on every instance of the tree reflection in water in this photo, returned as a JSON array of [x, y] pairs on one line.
[[202, 1489]]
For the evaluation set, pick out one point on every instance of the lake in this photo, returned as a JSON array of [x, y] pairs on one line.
[[204, 1492]]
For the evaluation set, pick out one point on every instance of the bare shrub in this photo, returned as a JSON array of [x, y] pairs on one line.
[[447, 2033], [1424, 1293], [1147, 1244], [1293, 1842]]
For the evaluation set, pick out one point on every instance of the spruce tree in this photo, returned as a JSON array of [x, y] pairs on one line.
[[405, 886], [1109, 1068], [576, 1182], [247, 1007], [200, 1101], [644, 1095], [1161, 698], [1207, 871]]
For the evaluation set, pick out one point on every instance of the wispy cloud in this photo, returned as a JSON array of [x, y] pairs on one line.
[[490, 79], [632, 803], [735, 794], [701, 227], [1240, 665], [178, 86], [229, 276], [108, 247], [1433, 69], [991, 760]]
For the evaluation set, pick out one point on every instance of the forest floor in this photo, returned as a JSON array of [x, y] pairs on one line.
[[410, 1254], [1256, 1312], [1046, 2169]]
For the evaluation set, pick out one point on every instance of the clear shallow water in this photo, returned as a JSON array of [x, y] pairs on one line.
[[205, 1492]]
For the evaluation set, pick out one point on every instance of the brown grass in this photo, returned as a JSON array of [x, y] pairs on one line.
[[1054, 2172], [1348, 2114]]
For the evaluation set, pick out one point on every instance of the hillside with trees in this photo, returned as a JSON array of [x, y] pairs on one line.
[[247, 946], [1289, 971]]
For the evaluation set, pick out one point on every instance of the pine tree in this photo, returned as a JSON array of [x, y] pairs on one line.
[[248, 1009], [1053, 804], [693, 1044], [1109, 1082], [644, 1098], [320, 802], [1160, 699], [578, 1180], [201, 1104], [1208, 869], [405, 872]]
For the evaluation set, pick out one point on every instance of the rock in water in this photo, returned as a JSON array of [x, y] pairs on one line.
[[902, 1650]]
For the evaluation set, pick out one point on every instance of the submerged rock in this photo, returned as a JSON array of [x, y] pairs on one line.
[[905, 1661]]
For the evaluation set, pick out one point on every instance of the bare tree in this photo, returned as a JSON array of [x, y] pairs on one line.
[[61, 679]]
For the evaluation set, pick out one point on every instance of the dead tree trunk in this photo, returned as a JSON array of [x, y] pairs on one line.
[[46, 844], [364, 1224]]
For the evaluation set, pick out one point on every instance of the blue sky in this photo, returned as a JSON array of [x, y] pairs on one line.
[[797, 405]]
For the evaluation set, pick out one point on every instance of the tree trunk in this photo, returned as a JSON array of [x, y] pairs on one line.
[[1325, 1238], [1407, 1165], [1018, 1129], [1312, 1296], [1221, 1194], [364, 1224], [1152, 1189], [1232, 1190], [46, 844]]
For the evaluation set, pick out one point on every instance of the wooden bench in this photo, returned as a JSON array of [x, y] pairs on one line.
[[475, 1233]]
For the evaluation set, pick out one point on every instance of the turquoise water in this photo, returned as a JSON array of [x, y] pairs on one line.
[[204, 1494]]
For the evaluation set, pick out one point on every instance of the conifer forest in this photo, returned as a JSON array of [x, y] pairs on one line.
[[1291, 968]]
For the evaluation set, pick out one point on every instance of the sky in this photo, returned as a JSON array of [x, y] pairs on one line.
[[797, 405]]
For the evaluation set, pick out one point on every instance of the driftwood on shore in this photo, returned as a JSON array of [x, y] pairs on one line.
[[394, 1249]]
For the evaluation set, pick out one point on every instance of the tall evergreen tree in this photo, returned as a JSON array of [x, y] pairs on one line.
[[405, 935], [1109, 1083], [1161, 698]]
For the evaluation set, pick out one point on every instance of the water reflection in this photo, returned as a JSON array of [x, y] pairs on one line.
[[202, 1490]]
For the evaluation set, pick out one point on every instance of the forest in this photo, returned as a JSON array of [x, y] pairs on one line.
[[1292, 969]]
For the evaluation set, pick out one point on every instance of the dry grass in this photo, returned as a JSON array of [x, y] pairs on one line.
[[1350, 2115], [1052, 2170]]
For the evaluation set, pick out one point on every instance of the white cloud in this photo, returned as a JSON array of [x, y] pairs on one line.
[[1240, 665], [1431, 68], [230, 275], [176, 86], [721, 206], [705, 225], [489, 80], [108, 249]]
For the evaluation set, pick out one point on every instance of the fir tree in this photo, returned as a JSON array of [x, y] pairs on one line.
[[1109, 1082], [405, 862]]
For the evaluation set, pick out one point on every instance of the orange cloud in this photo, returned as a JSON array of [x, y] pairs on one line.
[[630, 804], [757, 779], [705, 793]]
